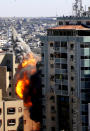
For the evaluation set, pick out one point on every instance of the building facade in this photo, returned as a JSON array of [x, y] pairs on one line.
[[10, 114], [65, 65], [73, 20], [7, 72], [11, 108]]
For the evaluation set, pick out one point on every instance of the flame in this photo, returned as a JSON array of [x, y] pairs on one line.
[[20, 86], [24, 82], [31, 61]]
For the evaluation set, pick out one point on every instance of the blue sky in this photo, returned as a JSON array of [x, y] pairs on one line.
[[37, 8]]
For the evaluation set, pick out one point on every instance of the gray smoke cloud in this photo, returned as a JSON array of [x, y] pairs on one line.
[[19, 46]]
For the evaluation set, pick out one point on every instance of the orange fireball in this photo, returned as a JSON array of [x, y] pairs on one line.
[[20, 86]]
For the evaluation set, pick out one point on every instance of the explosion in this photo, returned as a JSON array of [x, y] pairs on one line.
[[25, 69], [28, 86]]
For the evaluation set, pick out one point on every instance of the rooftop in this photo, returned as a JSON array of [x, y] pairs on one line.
[[69, 27], [73, 18]]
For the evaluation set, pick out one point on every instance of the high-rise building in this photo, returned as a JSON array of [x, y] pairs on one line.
[[65, 76]]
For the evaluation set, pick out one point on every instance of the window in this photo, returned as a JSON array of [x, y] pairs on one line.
[[42, 75], [57, 65], [9, 85], [85, 113], [11, 122], [42, 44], [71, 57], [79, 23], [71, 46], [57, 43], [0, 123], [42, 85], [51, 56], [72, 101], [67, 22], [64, 87], [85, 79], [88, 23], [85, 57], [85, 46], [63, 44], [44, 116], [64, 66], [85, 90], [42, 54], [52, 98], [53, 118], [72, 68], [20, 109], [11, 110], [63, 55], [43, 96], [52, 109], [52, 128], [9, 77], [57, 55], [52, 77], [85, 68], [51, 44], [52, 65], [0, 111], [10, 93], [72, 111], [59, 87], [60, 23], [60, 55], [44, 126], [72, 88], [9, 68], [72, 78]]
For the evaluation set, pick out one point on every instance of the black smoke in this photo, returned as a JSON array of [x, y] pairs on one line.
[[35, 92], [21, 124]]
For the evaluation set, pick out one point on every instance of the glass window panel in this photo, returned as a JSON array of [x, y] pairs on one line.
[[87, 63], [86, 51], [87, 72]]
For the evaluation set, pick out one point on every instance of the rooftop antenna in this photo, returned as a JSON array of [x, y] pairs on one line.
[[78, 8], [56, 13]]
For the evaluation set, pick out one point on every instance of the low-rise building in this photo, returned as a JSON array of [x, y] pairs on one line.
[[10, 113]]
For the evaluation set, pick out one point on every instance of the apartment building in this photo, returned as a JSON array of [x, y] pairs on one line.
[[11, 108], [10, 113], [66, 71], [7, 72]]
